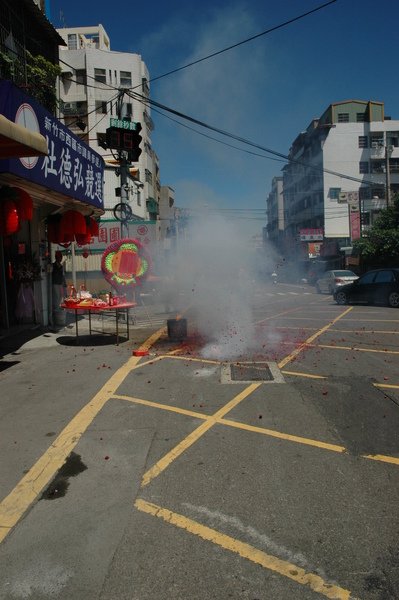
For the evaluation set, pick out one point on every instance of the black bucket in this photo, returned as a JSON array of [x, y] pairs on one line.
[[177, 329]]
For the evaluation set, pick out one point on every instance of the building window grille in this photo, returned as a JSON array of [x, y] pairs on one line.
[[363, 141], [72, 41], [125, 78], [80, 76], [343, 117], [363, 167], [101, 107], [100, 75], [361, 117], [334, 193]]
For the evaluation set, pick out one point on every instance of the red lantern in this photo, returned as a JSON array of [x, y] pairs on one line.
[[8, 218], [72, 222], [24, 204], [85, 253], [95, 231], [83, 238], [53, 229]]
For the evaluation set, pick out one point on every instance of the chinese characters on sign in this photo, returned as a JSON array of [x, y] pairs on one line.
[[311, 235], [71, 167], [75, 166]]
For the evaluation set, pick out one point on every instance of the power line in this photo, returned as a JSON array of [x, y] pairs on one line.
[[254, 37]]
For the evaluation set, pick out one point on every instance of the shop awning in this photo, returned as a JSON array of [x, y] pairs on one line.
[[16, 141]]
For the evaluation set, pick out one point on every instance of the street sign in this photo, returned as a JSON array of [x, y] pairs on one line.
[[121, 124]]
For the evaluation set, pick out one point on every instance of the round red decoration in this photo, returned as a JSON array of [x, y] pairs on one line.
[[126, 263], [8, 218]]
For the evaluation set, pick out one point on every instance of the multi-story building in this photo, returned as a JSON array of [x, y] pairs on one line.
[[65, 176], [275, 213], [91, 85], [342, 170]]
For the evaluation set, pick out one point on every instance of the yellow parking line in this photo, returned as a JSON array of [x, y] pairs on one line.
[[166, 460], [288, 358], [353, 348], [381, 458], [284, 568], [304, 375], [386, 385], [20, 498]]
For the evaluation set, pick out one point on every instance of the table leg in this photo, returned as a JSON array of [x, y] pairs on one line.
[[90, 323], [117, 327], [76, 326], [127, 324]]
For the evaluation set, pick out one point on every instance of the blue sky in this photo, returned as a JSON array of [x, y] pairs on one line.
[[266, 91]]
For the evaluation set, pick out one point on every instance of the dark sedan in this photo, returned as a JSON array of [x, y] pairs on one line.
[[379, 286]]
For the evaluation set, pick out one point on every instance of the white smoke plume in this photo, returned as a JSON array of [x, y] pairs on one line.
[[214, 272]]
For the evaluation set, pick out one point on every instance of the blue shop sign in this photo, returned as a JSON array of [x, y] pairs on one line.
[[71, 166]]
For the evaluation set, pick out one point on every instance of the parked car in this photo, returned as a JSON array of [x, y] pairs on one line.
[[379, 286], [331, 280]]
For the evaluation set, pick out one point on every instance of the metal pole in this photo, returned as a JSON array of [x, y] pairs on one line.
[[388, 175], [123, 168]]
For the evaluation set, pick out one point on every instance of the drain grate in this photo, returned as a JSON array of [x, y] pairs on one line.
[[251, 372]]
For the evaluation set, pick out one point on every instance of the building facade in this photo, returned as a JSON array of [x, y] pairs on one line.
[[91, 85], [67, 177], [342, 170]]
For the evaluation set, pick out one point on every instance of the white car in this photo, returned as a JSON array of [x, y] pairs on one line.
[[332, 280]]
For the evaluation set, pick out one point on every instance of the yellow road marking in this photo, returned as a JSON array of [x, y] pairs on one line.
[[386, 385], [284, 568], [212, 419], [284, 436], [381, 458], [18, 501], [166, 460], [288, 358], [304, 375], [353, 348]]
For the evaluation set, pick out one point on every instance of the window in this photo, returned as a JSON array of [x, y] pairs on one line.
[[385, 276], [363, 167], [125, 78], [334, 193], [368, 278], [80, 76], [376, 141], [343, 117], [100, 75], [377, 166], [101, 107], [364, 193], [363, 141], [171, 202], [72, 41], [360, 117]]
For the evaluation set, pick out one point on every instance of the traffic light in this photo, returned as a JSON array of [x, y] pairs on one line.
[[119, 138]]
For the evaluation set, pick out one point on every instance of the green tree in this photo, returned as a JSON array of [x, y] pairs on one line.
[[42, 76], [381, 243]]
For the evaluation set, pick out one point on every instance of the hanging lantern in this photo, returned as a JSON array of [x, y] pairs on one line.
[[83, 238], [85, 253], [95, 231], [8, 218], [53, 229], [24, 204], [72, 222]]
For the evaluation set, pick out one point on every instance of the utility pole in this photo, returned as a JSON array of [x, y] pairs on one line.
[[123, 163], [124, 136], [388, 150]]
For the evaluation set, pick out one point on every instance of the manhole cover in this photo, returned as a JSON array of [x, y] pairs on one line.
[[251, 372]]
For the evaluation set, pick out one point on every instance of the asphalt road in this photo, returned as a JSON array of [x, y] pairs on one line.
[[185, 473]]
